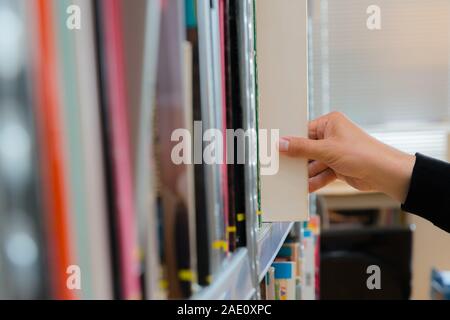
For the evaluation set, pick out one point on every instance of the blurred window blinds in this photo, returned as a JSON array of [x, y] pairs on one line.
[[398, 73]]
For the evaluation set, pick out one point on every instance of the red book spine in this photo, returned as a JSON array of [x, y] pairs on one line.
[[113, 27]]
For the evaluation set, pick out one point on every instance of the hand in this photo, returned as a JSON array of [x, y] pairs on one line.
[[339, 149]]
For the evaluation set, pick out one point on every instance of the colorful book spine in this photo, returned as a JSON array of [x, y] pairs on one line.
[[284, 280], [75, 164], [90, 130], [224, 166], [121, 151], [49, 118], [308, 291]]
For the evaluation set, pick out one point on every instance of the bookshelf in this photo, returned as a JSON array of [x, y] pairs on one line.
[[270, 239], [234, 280], [139, 225]]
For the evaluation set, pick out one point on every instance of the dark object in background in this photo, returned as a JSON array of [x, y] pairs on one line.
[[346, 255]]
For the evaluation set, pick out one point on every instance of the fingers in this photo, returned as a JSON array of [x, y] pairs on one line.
[[302, 147], [321, 180], [316, 167]]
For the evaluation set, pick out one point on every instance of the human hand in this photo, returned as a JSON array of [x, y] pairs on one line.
[[339, 149]]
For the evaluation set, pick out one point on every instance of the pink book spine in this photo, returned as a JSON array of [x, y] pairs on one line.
[[129, 263], [224, 110]]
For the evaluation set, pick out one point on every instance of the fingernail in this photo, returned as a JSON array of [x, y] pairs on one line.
[[283, 145]]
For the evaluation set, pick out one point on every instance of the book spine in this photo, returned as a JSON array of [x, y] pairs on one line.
[[50, 137], [121, 149]]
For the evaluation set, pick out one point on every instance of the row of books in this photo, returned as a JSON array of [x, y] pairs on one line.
[[295, 273], [93, 207]]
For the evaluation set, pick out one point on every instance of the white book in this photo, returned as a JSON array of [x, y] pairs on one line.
[[283, 91], [92, 153]]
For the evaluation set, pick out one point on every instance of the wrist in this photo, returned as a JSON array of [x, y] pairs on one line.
[[395, 175]]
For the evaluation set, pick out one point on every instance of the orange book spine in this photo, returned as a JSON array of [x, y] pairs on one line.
[[52, 156]]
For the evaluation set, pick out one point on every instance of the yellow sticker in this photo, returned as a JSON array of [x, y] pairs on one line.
[[231, 229], [220, 244], [185, 275], [240, 217], [259, 212], [163, 284]]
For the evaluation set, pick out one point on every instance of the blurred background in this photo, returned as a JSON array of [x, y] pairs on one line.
[[394, 82]]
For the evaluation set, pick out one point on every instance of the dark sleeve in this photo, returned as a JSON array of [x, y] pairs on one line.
[[429, 191]]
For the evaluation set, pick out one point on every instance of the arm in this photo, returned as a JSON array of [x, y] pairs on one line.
[[339, 149]]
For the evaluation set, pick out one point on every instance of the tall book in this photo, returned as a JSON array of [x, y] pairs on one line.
[[223, 119], [228, 69], [207, 14], [118, 150], [54, 177], [73, 148], [172, 116], [283, 90], [235, 120], [91, 142], [201, 215], [146, 204]]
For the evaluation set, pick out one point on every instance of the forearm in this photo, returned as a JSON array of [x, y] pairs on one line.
[[429, 192]]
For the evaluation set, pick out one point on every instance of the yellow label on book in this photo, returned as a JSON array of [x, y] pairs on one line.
[[231, 229], [259, 213], [240, 217], [163, 284], [220, 244], [185, 275]]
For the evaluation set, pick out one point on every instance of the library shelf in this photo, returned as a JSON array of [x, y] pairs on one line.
[[233, 282], [270, 239]]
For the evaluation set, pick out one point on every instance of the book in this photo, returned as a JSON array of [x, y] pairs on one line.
[[230, 94], [223, 119], [203, 244], [54, 176], [146, 202], [236, 118], [285, 287], [74, 161], [90, 131], [308, 291], [173, 114], [282, 92], [115, 117], [209, 61]]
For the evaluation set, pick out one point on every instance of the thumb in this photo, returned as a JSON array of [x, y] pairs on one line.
[[303, 147]]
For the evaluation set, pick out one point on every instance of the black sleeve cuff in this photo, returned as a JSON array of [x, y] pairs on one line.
[[429, 191]]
